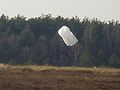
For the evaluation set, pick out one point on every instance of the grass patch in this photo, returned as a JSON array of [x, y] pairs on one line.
[[33, 77]]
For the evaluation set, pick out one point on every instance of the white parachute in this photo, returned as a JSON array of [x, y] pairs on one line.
[[67, 36]]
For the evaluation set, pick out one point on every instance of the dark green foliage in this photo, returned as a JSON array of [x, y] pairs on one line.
[[35, 41]]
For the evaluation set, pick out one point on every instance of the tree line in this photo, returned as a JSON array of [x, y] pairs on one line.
[[36, 41]]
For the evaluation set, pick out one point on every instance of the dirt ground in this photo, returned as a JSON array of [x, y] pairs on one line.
[[59, 79]]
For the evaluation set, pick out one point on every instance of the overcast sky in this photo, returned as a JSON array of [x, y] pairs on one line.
[[101, 9]]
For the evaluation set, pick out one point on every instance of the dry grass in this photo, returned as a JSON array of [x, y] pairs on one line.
[[34, 77]]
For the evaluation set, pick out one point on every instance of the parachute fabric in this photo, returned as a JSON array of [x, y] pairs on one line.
[[67, 36]]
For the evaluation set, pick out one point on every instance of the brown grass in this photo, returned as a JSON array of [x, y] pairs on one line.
[[58, 78]]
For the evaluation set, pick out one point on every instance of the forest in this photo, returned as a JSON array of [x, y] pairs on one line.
[[36, 41]]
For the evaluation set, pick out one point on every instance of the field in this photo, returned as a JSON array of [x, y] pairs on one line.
[[58, 78]]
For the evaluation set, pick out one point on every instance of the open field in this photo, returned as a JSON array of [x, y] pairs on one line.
[[58, 78]]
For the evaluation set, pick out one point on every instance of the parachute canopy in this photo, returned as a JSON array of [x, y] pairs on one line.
[[67, 36]]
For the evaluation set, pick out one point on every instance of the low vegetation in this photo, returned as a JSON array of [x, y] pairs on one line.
[[58, 78]]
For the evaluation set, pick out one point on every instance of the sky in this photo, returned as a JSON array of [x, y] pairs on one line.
[[101, 9]]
